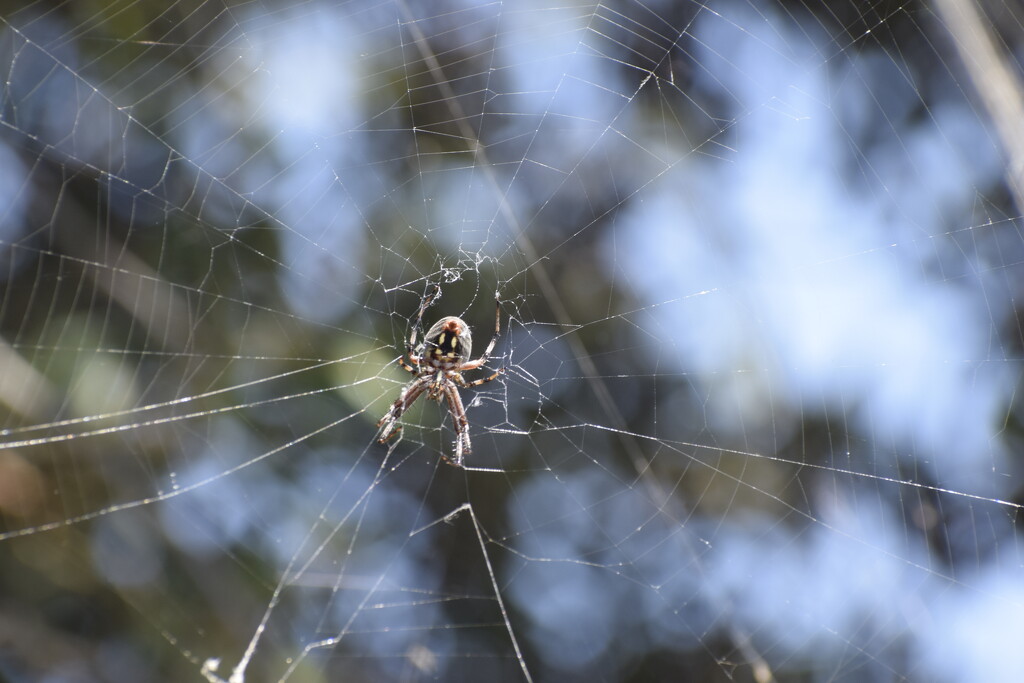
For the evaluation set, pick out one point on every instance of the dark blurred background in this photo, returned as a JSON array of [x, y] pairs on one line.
[[758, 267]]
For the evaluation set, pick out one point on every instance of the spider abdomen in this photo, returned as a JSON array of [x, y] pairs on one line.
[[448, 341]]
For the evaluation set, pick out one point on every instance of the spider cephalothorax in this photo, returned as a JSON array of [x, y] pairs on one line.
[[438, 364]]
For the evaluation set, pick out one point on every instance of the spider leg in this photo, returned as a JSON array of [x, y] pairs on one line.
[[497, 331], [405, 399], [474, 364], [460, 422], [478, 382], [410, 345], [406, 366]]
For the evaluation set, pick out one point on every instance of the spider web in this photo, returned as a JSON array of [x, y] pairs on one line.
[[757, 268]]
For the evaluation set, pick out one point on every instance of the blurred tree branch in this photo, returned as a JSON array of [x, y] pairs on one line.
[[995, 80]]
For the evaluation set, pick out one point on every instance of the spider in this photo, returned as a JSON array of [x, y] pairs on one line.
[[438, 364]]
